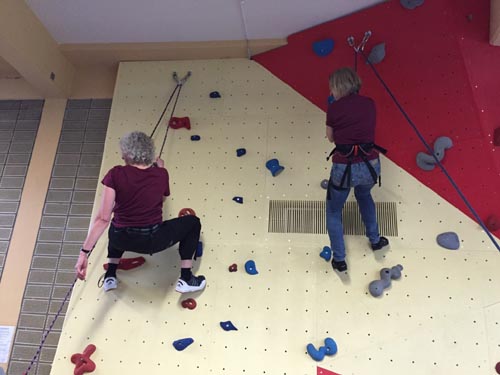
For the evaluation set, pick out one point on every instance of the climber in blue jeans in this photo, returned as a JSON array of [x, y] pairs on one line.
[[350, 124]]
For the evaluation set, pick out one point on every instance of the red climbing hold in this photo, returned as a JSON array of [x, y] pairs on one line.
[[233, 267], [497, 368], [83, 363], [493, 223], [189, 304], [186, 212], [179, 122], [496, 137], [322, 371], [128, 263]]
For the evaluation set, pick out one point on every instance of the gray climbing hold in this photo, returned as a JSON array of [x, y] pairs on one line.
[[377, 54], [441, 145], [426, 161], [448, 240], [376, 287], [324, 184], [411, 4]]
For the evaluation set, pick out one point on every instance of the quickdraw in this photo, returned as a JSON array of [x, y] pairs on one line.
[[177, 89]]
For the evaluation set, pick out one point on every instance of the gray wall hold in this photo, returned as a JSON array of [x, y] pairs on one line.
[[426, 161], [377, 54], [448, 240], [376, 287], [411, 4]]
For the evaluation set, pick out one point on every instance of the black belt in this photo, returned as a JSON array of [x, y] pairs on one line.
[[361, 150], [143, 230]]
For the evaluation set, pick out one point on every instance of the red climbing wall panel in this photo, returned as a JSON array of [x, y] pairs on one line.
[[322, 371], [442, 70]]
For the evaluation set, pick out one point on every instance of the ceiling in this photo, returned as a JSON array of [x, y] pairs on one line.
[[132, 21]]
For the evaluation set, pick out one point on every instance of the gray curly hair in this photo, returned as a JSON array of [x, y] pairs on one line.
[[137, 148]]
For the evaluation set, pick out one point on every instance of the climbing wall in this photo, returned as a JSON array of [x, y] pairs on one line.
[[440, 316], [442, 70]]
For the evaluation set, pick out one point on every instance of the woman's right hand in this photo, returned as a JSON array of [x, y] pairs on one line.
[[81, 266], [159, 162]]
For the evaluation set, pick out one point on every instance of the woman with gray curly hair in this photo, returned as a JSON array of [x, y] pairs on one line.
[[134, 194]]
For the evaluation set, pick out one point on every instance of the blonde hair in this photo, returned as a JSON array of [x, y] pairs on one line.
[[137, 148], [345, 81]]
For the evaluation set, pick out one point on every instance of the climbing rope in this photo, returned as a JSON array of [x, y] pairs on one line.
[[177, 89], [359, 50], [46, 334]]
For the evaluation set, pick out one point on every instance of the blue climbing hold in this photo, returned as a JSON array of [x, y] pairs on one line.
[[449, 240], [411, 4], [240, 152], [326, 254], [228, 326], [251, 268], [331, 99], [274, 167], [316, 354], [199, 249], [195, 137], [238, 200], [214, 95], [323, 47], [331, 346], [182, 344]]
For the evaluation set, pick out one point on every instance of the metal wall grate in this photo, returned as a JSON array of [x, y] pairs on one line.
[[286, 216]]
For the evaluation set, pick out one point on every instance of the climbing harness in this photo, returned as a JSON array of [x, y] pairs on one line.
[[359, 50], [177, 89], [350, 152]]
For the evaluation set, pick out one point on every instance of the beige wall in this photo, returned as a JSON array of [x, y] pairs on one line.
[[28, 47]]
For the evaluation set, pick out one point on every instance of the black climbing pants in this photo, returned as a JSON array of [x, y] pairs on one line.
[[156, 238]]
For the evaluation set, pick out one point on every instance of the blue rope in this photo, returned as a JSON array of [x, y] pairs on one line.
[[431, 151]]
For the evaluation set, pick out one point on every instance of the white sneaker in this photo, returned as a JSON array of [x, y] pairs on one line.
[[194, 284], [110, 283]]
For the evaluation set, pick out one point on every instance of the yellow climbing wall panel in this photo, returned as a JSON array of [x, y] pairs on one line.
[[441, 317]]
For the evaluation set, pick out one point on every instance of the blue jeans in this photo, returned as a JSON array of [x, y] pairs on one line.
[[362, 181]]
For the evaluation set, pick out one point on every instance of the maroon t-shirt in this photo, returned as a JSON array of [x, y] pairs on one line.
[[139, 194], [352, 119]]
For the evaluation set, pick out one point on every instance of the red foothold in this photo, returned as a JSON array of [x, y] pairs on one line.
[[189, 304], [493, 223], [497, 368], [179, 122], [83, 363], [233, 267], [128, 263], [496, 137], [187, 212]]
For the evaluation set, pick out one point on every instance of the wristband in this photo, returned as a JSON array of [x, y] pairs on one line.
[[85, 251]]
